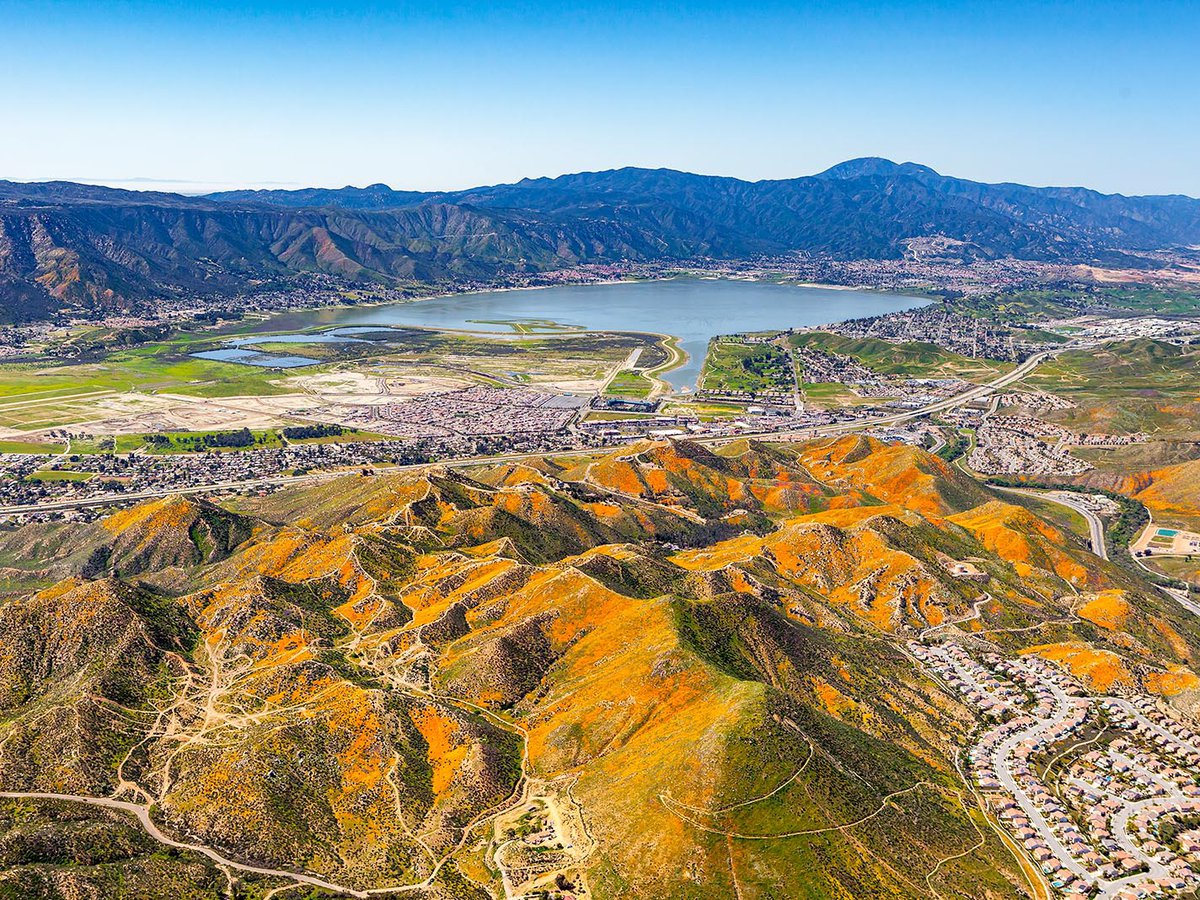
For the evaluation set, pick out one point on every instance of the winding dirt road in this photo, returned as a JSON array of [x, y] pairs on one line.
[[142, 814]]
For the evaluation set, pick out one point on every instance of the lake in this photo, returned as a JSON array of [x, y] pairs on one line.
[[694, 310]]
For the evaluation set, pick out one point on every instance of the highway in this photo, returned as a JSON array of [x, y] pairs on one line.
[[1095, 525], [939, 441], [286, 480], [957, 400]]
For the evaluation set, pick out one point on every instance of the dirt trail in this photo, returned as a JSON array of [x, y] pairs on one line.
[[674, 806], [142, 814]]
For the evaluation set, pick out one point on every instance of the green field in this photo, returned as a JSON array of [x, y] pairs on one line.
[[167, 442], [60, 475], [193, 441], [1143, 298], [147, 369], [348, 434], [706, 411], [912, 359], [1020, 306], [829, 394], [1181, 567], [753, 368], [1126, 387], [30, 447], [598, 415], [628, 383]]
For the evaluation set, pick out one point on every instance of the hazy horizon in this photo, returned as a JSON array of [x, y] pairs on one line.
[[454, 95], [189, 188]]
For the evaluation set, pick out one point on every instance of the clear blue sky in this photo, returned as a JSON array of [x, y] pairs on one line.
[[445, 95]]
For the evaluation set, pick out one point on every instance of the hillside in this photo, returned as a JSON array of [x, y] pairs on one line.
[[64, 244], [1126, 387], [664, 672], [882, 194]]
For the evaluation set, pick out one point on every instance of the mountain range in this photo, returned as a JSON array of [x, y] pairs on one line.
[[67, 245]]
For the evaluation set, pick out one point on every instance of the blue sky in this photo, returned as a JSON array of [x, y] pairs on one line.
[[447, 95]]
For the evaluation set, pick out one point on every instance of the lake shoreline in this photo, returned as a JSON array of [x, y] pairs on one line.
[[605, 282], [692, 310]]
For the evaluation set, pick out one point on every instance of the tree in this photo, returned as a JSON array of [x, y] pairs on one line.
[[97, 563]]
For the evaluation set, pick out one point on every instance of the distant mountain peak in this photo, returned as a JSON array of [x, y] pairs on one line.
[[122, 248], [866, 166]]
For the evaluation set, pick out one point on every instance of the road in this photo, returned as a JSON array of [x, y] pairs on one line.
[[965, 397], [1095, 525], [1002, 760], [142, 813], [939, 441], [283, 480]]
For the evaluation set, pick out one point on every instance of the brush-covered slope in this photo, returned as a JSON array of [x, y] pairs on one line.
[[173, 532], [156, 541], [1171, 493], [892, 473], [54, 849], [71, 245], [661, 672], [74, 659]]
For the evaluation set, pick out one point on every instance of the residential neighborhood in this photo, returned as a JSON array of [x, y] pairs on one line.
[[1101, 791]]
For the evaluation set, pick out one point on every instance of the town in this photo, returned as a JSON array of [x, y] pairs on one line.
[[1116, 820], [761, 385]]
